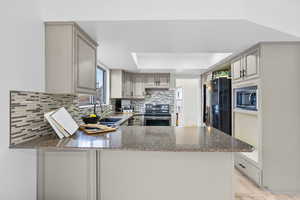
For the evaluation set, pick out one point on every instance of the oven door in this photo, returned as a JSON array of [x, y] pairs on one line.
[[157, 121]]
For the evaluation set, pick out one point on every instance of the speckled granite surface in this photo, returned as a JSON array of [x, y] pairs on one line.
[[150, 138]]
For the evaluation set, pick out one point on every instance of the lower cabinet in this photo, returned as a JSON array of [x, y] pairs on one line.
[[67, 175], [247, 168]]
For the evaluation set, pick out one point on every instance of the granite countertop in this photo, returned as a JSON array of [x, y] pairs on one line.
[[146, 138]]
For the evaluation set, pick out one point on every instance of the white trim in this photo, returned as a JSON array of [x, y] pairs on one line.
[[106, 68]]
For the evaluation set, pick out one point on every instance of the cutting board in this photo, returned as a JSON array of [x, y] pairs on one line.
[[95, 129], [65, 121]]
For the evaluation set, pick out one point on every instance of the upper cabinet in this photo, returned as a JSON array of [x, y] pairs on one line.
[[71, 59], [246, 66], [150, 80], [163, 80], [133, 85], [236, 69], [117, 82], [138, 85], [128, 85], [252, 64], [121, 84], [158, 80]]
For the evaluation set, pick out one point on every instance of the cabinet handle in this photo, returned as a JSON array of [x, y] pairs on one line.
[[242, 166], [244, 72], [241, 73]]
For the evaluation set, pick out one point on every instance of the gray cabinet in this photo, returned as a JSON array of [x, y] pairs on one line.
[[274, 68], [67, 175], [116, 84], [138, 83], [159, 80], [163, 80], [252, 64], [150, 80], [128, 85], [132, 85], [71, 59], [248, 168], [246, 66], [236, 69], [121, 84]]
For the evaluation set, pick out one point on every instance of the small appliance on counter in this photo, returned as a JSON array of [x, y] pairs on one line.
[[118, 105], [126, 106]]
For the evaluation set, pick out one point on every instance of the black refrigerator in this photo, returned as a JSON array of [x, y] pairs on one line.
[[221, 104]]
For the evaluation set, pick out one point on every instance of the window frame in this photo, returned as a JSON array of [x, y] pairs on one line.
[[105, 88], [104, 71]]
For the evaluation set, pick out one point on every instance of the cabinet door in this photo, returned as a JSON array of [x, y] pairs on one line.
[[130, 84], [67, 175], [236, 69], [252, 64], [128, 90], [163, 80], [125, 85], [150, 80], [138, 85], [86, 64], [116, 84]]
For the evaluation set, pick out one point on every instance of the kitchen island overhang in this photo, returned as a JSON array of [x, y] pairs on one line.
[[146, 163], [146, 138]]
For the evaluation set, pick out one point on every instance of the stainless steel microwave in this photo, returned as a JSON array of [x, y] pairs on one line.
[[246, 98]]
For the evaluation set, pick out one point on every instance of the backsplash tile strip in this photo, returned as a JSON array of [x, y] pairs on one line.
[[27, 113], [155, 96]]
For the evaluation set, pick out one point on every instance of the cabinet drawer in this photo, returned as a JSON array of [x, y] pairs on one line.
[[248, 169]]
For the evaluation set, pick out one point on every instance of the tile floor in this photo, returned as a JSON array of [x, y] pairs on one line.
[[246, 190]]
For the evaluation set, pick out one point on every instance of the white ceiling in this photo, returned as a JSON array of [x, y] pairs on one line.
[[181, 45], [177, 62]]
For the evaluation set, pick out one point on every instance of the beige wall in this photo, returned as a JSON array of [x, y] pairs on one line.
[[22, 68]]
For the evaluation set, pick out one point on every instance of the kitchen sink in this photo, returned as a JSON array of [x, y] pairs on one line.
[[110, 120]]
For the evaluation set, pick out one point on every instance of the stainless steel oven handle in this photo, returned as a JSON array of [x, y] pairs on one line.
[[250, 96]]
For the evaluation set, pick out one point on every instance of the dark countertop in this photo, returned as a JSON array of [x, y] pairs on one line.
[[146, 138]]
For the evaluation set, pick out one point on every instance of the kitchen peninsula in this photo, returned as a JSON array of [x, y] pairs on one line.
[[138, 162], [131, 163]]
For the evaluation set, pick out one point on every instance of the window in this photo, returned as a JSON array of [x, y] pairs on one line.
[[101, 85], [101, 90]]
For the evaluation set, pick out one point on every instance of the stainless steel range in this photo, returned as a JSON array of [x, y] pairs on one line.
[[157, 115]]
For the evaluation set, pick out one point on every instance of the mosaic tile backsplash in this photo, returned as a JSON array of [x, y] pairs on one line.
[[155, 96], [27, 113]]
